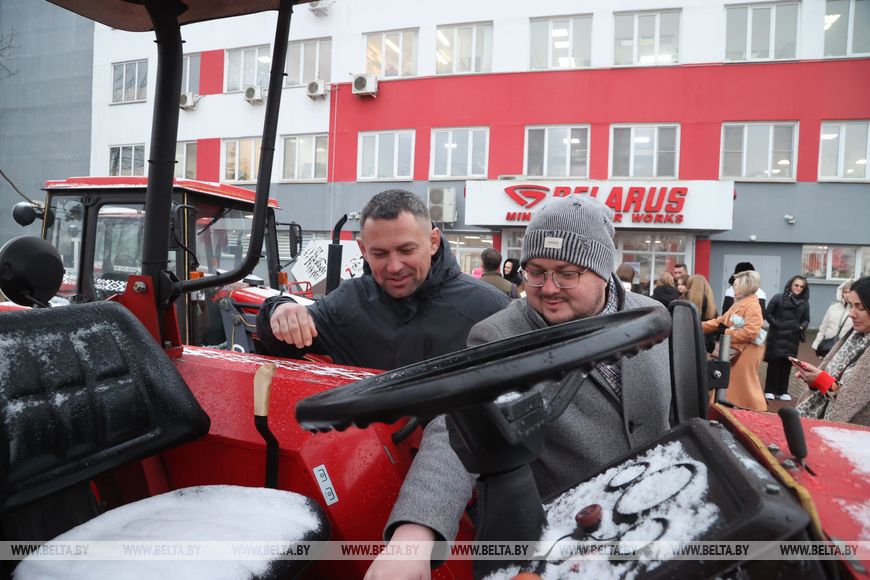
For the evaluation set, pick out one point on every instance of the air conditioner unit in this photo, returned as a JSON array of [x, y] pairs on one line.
[[319, 7], [187, 101], [365, 85], [442, 204], [316, 89], [254, 94]]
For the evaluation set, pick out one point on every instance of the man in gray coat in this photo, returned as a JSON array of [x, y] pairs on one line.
[[568, 260]]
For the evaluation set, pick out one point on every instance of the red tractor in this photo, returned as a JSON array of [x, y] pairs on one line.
[[110, 422]]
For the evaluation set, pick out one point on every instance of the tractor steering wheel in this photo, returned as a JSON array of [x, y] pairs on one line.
[[477, 375]]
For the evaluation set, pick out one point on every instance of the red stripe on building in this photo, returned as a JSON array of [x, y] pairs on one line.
[[208, 159], [697, 97], [702, 258], [211, 72]]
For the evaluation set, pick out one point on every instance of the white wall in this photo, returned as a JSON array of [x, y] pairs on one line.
[[702, 40]]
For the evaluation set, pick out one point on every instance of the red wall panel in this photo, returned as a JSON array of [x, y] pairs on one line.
[[208, 159], [698, 97], [211, 72], [702, 258]]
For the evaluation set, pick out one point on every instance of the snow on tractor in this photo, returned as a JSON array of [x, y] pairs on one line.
[[97, 225], [113, 430]]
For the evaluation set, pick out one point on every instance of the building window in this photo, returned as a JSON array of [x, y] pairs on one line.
[[844, 150], [466, 248], [646, 38], [185, 160], [835, 262], [761, 32], [758, 151], [190, 74], [463, 48], [387, 155], [561, 42], [392, 54], [644, 151], [129, 81], [247, 67], [127, 160], [558, 151], [309, 60], [651, 253], [459, 152], [241, 159], [305, 157], [847, 27]]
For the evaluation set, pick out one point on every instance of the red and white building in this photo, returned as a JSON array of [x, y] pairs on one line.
[[718, 131]]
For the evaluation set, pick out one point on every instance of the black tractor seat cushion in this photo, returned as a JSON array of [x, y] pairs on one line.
[[83, 389]]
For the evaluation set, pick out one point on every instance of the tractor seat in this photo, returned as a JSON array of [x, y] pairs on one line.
[[217, 532], [84, 389]]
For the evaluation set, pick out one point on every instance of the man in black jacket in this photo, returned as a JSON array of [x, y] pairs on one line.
[[413, 303]]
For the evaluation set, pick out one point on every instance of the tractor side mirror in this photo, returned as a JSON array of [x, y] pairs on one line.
[[293, 233], [24, 213], [31, 271]]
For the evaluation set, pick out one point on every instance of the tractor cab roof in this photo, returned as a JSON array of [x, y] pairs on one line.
[[208, 188], [133, 16]]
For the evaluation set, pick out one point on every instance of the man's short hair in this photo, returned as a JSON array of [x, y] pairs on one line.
[[387, 205], [683, 266], [491, 260]]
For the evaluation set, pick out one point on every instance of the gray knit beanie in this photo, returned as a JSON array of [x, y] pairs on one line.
[[576, 229]]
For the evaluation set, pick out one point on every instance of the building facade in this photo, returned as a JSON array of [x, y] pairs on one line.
[[718, 132]]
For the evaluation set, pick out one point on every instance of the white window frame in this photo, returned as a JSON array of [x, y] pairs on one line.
[[770, 169], [771, 40], [657, 126], [185, 73], [402, 49], [241, 72], [550, 41], [384, 135], [441, 33], [293, 140], [635, 42], [850, 35], [181, 161], [841, 125], [546, 172], [829, 260], [132, 147], [141, 64], [318, 62], [256, 144], [452, 147]]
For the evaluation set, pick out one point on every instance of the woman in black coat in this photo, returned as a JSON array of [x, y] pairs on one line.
[[665, 290], [788, 314]]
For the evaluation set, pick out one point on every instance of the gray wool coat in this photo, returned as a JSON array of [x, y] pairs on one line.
[[594, 430]]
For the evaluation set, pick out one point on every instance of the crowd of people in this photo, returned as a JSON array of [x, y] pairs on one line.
[[414, 303]]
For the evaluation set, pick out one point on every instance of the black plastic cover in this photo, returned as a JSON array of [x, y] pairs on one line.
[[83, 389]]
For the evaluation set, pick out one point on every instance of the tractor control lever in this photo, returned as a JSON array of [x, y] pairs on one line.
[[262, 391]]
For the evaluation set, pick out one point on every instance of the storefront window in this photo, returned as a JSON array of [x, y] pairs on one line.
[[466, 248], [651, 253], [512, 243], [835, 262]]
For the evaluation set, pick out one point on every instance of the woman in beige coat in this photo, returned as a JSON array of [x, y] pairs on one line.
[[744, 321]]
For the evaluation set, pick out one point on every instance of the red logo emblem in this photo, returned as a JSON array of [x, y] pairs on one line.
[[527, 196]]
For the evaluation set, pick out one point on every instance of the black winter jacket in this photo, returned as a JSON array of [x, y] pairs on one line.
[[361, 325], [788, 316], [665, 294]]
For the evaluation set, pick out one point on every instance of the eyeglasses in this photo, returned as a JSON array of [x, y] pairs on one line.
[[801, 286], [565, 279]]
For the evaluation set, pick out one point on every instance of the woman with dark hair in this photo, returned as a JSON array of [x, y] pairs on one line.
[[788, 314], [841, 383], [511, 271]]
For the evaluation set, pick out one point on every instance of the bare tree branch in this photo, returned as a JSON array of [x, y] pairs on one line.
[[7, 46]]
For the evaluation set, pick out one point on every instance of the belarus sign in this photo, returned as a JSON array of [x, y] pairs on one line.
[[685, 205]]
